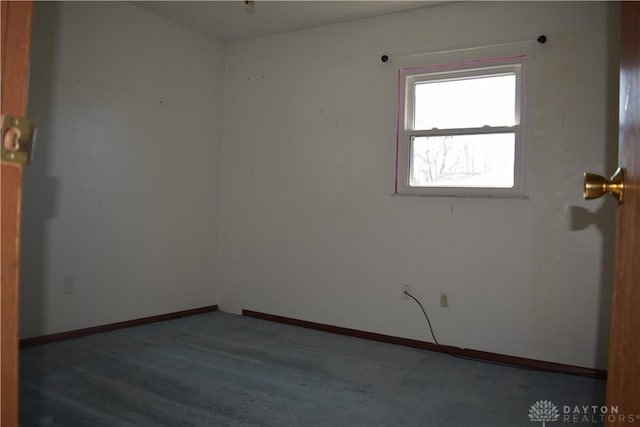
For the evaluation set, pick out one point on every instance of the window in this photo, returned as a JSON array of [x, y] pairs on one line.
[[459, 129]]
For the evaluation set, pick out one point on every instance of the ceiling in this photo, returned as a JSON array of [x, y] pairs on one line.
[[232, 21]]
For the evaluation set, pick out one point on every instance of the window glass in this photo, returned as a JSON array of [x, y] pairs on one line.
[[465, 103], [485, 160]]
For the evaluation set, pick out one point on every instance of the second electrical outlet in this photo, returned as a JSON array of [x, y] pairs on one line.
[[444, 300]]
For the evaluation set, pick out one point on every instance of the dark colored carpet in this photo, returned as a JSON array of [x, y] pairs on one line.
[[221, 369]]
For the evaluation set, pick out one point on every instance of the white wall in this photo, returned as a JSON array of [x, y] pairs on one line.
[[121, 202], [309, 228]]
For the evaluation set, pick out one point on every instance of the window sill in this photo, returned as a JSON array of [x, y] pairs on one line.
[[469, 195]]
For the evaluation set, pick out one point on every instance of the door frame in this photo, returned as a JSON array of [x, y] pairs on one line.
[[16, 48]]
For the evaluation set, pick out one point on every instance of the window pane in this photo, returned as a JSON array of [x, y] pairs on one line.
[[465, 103], [485, 160]]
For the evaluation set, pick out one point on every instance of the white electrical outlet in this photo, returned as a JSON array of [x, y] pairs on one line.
[[406, 288], [444, 300]]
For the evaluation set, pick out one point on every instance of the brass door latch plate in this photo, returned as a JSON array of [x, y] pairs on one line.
[[18, 136]]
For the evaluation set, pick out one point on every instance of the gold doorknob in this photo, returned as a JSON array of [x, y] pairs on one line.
[[596, 186]]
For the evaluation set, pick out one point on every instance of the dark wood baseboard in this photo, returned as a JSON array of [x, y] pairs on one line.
[[78, 333], [519, 362]]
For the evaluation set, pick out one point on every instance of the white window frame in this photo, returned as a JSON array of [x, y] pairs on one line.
[[407, 80]]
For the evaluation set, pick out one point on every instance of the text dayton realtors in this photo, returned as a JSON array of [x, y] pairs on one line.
[[596, 414]]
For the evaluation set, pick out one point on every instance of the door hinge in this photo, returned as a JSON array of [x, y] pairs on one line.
[[18, 137]]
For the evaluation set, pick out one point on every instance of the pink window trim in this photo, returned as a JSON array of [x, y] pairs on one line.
[[400, 113], [462, 64]]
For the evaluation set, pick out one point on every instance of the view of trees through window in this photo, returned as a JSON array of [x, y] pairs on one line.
[[484, 160], [470, 157]]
